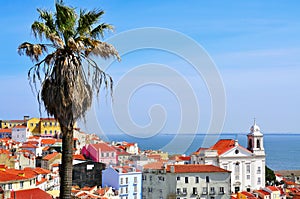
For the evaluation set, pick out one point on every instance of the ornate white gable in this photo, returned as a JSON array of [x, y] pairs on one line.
[[237, 151]]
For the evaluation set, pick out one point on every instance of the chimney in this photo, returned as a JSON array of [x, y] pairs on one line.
[[172, 169], [26, 117], [236, 143]]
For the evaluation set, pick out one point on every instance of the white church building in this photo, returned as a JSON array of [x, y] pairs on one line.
[[247, 165]]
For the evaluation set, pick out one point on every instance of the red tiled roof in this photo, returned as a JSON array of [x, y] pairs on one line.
[[35, 193], [223, 145], [103, 147], [195, 168], [248, 195], [47, 119], [263, 192], [50, 156], [154, 165], [78, 157], [40, 170], [28, 146], [8, 175], [5, 130], [20, 127], [272, 188], [48, 141]]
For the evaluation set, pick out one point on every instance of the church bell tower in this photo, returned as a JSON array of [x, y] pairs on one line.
[[255, 140]]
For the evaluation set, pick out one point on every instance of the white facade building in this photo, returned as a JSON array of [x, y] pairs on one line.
[[20, 133], [186, 182], [247, 165], [126, 180]]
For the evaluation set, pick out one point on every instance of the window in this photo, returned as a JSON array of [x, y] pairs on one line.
[[9, 185], [258, 181], [107, 154], [237, 168], [102, 154], [184, 191], [212, 190], [248, 177], [31, 124], [50, 132], [150, 178], [135, 189], [178, 178], [135, 179], [126, 190], [221, 190], [178, 191], [258, 170], [186, 179], [248, 168], [112, 154], [197, 179], [204, 190], [150, 189], [121, 181], [45, 131], [126, 180], [21, 184], [144, 177], [195, 192]]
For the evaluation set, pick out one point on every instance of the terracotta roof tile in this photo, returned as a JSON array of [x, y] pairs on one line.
[[50, 156], [78, 157], [195, 168], [5, 130], [223, 145], [103, 147], [48, 141], [272, 188], [35, 193]]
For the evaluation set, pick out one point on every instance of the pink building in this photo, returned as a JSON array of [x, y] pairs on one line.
[[100, 152]]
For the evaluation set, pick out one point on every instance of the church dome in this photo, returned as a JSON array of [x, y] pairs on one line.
[[255, 129]]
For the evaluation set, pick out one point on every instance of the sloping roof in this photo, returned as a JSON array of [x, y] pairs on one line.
[[272, 188], [78, 157], [263, 192], [50, 156], [223, 145], [35, 193], [195, 168], [8, 175], [19, 127], [5, 130], [154, 165], [48, 141], [28, 146], [103, 147]]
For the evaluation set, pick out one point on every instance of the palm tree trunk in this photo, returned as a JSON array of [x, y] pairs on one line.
[[67, 163]]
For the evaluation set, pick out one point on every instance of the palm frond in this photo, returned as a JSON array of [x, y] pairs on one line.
[[39, 29], [99, 30], [34, 51], [65, 20], [86, 20], [102, 49], [48, 18]]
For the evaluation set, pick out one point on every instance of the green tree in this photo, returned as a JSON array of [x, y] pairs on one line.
[[66, 88], [270, 176]]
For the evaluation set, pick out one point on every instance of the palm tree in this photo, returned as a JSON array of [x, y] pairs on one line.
[[66, 88]]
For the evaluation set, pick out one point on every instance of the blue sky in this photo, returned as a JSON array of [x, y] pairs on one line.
[[255, 46]]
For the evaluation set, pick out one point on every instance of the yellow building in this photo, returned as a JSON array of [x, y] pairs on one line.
[[12, 123], [12, 179], [43, 126]]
